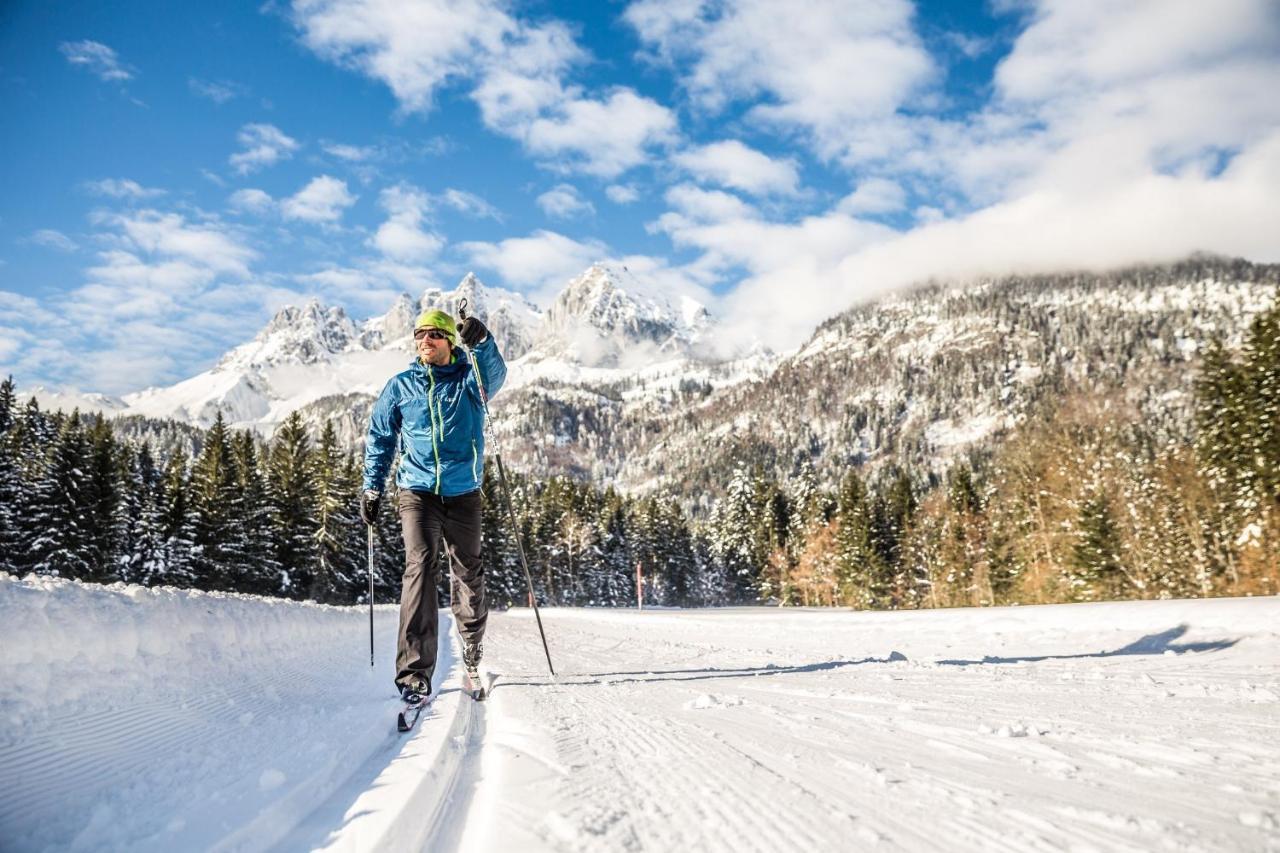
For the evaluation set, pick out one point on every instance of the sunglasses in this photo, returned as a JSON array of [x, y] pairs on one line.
[[434, 334]]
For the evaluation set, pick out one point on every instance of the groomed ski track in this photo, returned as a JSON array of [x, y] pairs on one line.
[[159, 720]]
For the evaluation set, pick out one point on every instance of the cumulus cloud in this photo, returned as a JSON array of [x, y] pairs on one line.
[[544, 260], [96, 58], [122, 188], [733, 164], [563, 201], [598, 136], [252, 200], [205, 245], [402, 236], [264, 145], [516, 71], [841, 64], [413, 47], [622, 193], [322, 201]]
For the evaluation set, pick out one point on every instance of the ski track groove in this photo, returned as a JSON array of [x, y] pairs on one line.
[[894, 754]]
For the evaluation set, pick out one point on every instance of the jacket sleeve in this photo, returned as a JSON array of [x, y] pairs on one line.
[[384, 431], [493, 370]]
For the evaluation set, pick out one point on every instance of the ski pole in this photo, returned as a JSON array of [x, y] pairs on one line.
[[370, 595], [506, 491]]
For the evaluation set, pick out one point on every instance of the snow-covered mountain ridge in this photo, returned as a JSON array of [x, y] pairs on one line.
[[608, 384], [314, 356]]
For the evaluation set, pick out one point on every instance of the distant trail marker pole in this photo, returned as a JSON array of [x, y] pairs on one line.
[[639, 586], [370, 595], [506, 489]]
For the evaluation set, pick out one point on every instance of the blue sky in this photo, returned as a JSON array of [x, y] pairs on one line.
[[175, 173]]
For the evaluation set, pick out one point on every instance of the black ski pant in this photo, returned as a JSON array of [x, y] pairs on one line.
[[428, 521]]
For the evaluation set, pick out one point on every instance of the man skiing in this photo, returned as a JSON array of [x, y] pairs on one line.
[[433, 413]]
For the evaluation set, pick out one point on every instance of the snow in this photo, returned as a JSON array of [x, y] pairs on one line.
[[162, 719]]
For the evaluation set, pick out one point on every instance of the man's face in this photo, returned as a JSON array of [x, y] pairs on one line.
[[432, 346]]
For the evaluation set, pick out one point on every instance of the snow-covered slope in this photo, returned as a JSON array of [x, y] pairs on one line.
[[164, 720]]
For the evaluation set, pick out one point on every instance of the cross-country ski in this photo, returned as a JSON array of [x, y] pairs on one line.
[[412, 710]]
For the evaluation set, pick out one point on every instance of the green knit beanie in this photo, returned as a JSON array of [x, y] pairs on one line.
[[437, 319]]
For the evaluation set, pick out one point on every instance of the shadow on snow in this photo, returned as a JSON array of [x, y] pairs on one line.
[[1151, 644]]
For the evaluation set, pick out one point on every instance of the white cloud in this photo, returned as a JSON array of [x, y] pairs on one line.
[[1091, 96], [516, 68], [544, 260], [96, 58], [264, 145], [564, 202], [252, 200], [52, 239], [402, 237], [874, 196], [208, 245], [218, 91], [322, 201], [837, 65], [469, 204], [708, 205], [733, 164], [351, 153], [622, 193], [121, 188], [165, 294], [1154, 218], [413, 46], [603, 137]]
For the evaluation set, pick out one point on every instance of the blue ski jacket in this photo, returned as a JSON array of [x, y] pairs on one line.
[[435, 417]]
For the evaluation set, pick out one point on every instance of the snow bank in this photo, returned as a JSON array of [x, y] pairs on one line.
[[164, 719]]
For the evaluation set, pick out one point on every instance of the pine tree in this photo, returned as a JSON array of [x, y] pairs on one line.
[[140, 516], [254, 568], [218, 540], [11, 484], [1098, 570], [56, 538], [291, 490], [333, 577], [104, 527], [175, 562], [8, 405], [860, 571]]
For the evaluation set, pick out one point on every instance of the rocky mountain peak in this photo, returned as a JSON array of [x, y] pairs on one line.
[[608, 312], [308, 334]]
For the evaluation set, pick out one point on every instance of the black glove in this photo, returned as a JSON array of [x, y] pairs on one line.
[[369, 503], [472, 331]]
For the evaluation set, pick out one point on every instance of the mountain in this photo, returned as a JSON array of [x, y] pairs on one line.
[[611, 383], [317, 359], [607, 317]]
